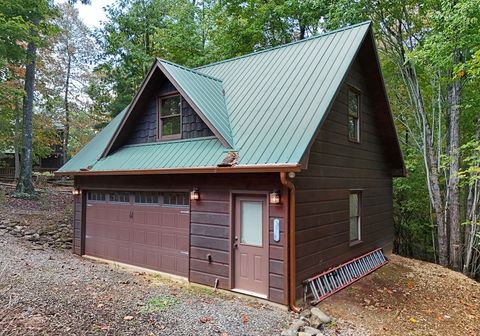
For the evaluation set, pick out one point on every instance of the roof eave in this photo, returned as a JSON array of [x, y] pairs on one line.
[[274, 168]]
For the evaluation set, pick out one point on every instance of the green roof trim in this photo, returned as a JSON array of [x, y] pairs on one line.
[[266, 106], [206, 95]]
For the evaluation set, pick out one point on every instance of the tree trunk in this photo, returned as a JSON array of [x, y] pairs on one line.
[[437, 204], [302, 32], [470, 235], [16, 140], [453, 199], [25, 184], [66, 134], [430, 158]]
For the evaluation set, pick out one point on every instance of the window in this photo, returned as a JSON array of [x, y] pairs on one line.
[[355, 220], [146, 197], [121, 197], [353, 115], [96, 196], [170, 118], [175, 198], [251, 223]]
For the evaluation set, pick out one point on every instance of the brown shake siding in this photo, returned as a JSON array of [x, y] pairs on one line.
[[145, 129], [210, 220], [336, 166]]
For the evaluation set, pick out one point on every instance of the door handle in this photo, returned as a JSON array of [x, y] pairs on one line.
[[235, 245], [131, 214]]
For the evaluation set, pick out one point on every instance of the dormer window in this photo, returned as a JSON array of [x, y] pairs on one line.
[[170, 118]]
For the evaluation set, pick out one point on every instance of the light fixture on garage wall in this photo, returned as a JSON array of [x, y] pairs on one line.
[[76, 192], [194, 194], [275, 197]]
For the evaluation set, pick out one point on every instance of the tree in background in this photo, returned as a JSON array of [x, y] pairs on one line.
[[25, 25], [35, 15], [429, 45], [64, 68], [193, 33]]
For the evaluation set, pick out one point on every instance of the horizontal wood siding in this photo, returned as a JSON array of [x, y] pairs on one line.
[[210, 220], [335, 166]]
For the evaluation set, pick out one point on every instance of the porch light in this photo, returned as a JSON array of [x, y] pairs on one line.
[[275, 197], [194, 194], [76, 192]]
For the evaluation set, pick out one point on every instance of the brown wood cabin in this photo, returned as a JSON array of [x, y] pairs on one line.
[[250, 174]]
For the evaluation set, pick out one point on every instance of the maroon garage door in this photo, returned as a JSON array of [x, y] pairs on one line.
[[146, 229]]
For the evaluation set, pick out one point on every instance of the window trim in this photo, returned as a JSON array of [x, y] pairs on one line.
[[139, 193], [110, 200], [168, 205], [357, 91], [105, 196], [359, 194], [160, 118]]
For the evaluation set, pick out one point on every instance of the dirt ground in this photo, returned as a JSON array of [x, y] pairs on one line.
[[410, 297], [405, 297]]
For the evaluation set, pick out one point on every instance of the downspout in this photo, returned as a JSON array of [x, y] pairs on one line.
[[291, 242]]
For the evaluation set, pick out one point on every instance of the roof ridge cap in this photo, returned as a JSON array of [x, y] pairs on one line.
[[189, 69], [313, 37]]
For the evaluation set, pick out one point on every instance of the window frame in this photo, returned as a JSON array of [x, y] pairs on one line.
[[170, 205], [137, 198], [90, 193], [160, 118], [119, 193], [352, 89], [358, 216]]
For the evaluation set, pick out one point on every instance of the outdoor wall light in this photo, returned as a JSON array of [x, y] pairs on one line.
[[76, 192], [194, 194], [275, 197]]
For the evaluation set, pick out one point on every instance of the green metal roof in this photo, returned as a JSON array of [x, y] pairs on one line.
[[266, 105], [199, 152], [92, 151], [276, 98], [206, 93]]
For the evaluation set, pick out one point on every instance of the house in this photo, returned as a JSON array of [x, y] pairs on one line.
[[49, 163], [250, 174]]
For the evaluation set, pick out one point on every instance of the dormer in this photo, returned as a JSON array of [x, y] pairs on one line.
[[174, 103]]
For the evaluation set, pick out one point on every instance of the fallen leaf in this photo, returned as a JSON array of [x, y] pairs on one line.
[[128, 318], [244, 318], [412, 320], [205, 319]]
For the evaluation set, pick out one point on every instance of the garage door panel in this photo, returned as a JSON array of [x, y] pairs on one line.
[[169, 220], [123, 233], [152, 238], [168, 240], [118, 214], [150, 218], [124, 253], [139, 236], [182, 243], [146, 235]]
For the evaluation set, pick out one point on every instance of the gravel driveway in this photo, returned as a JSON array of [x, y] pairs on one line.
[[52, 292]]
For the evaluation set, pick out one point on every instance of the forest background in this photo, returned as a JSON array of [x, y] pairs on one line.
[[58, 74]]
